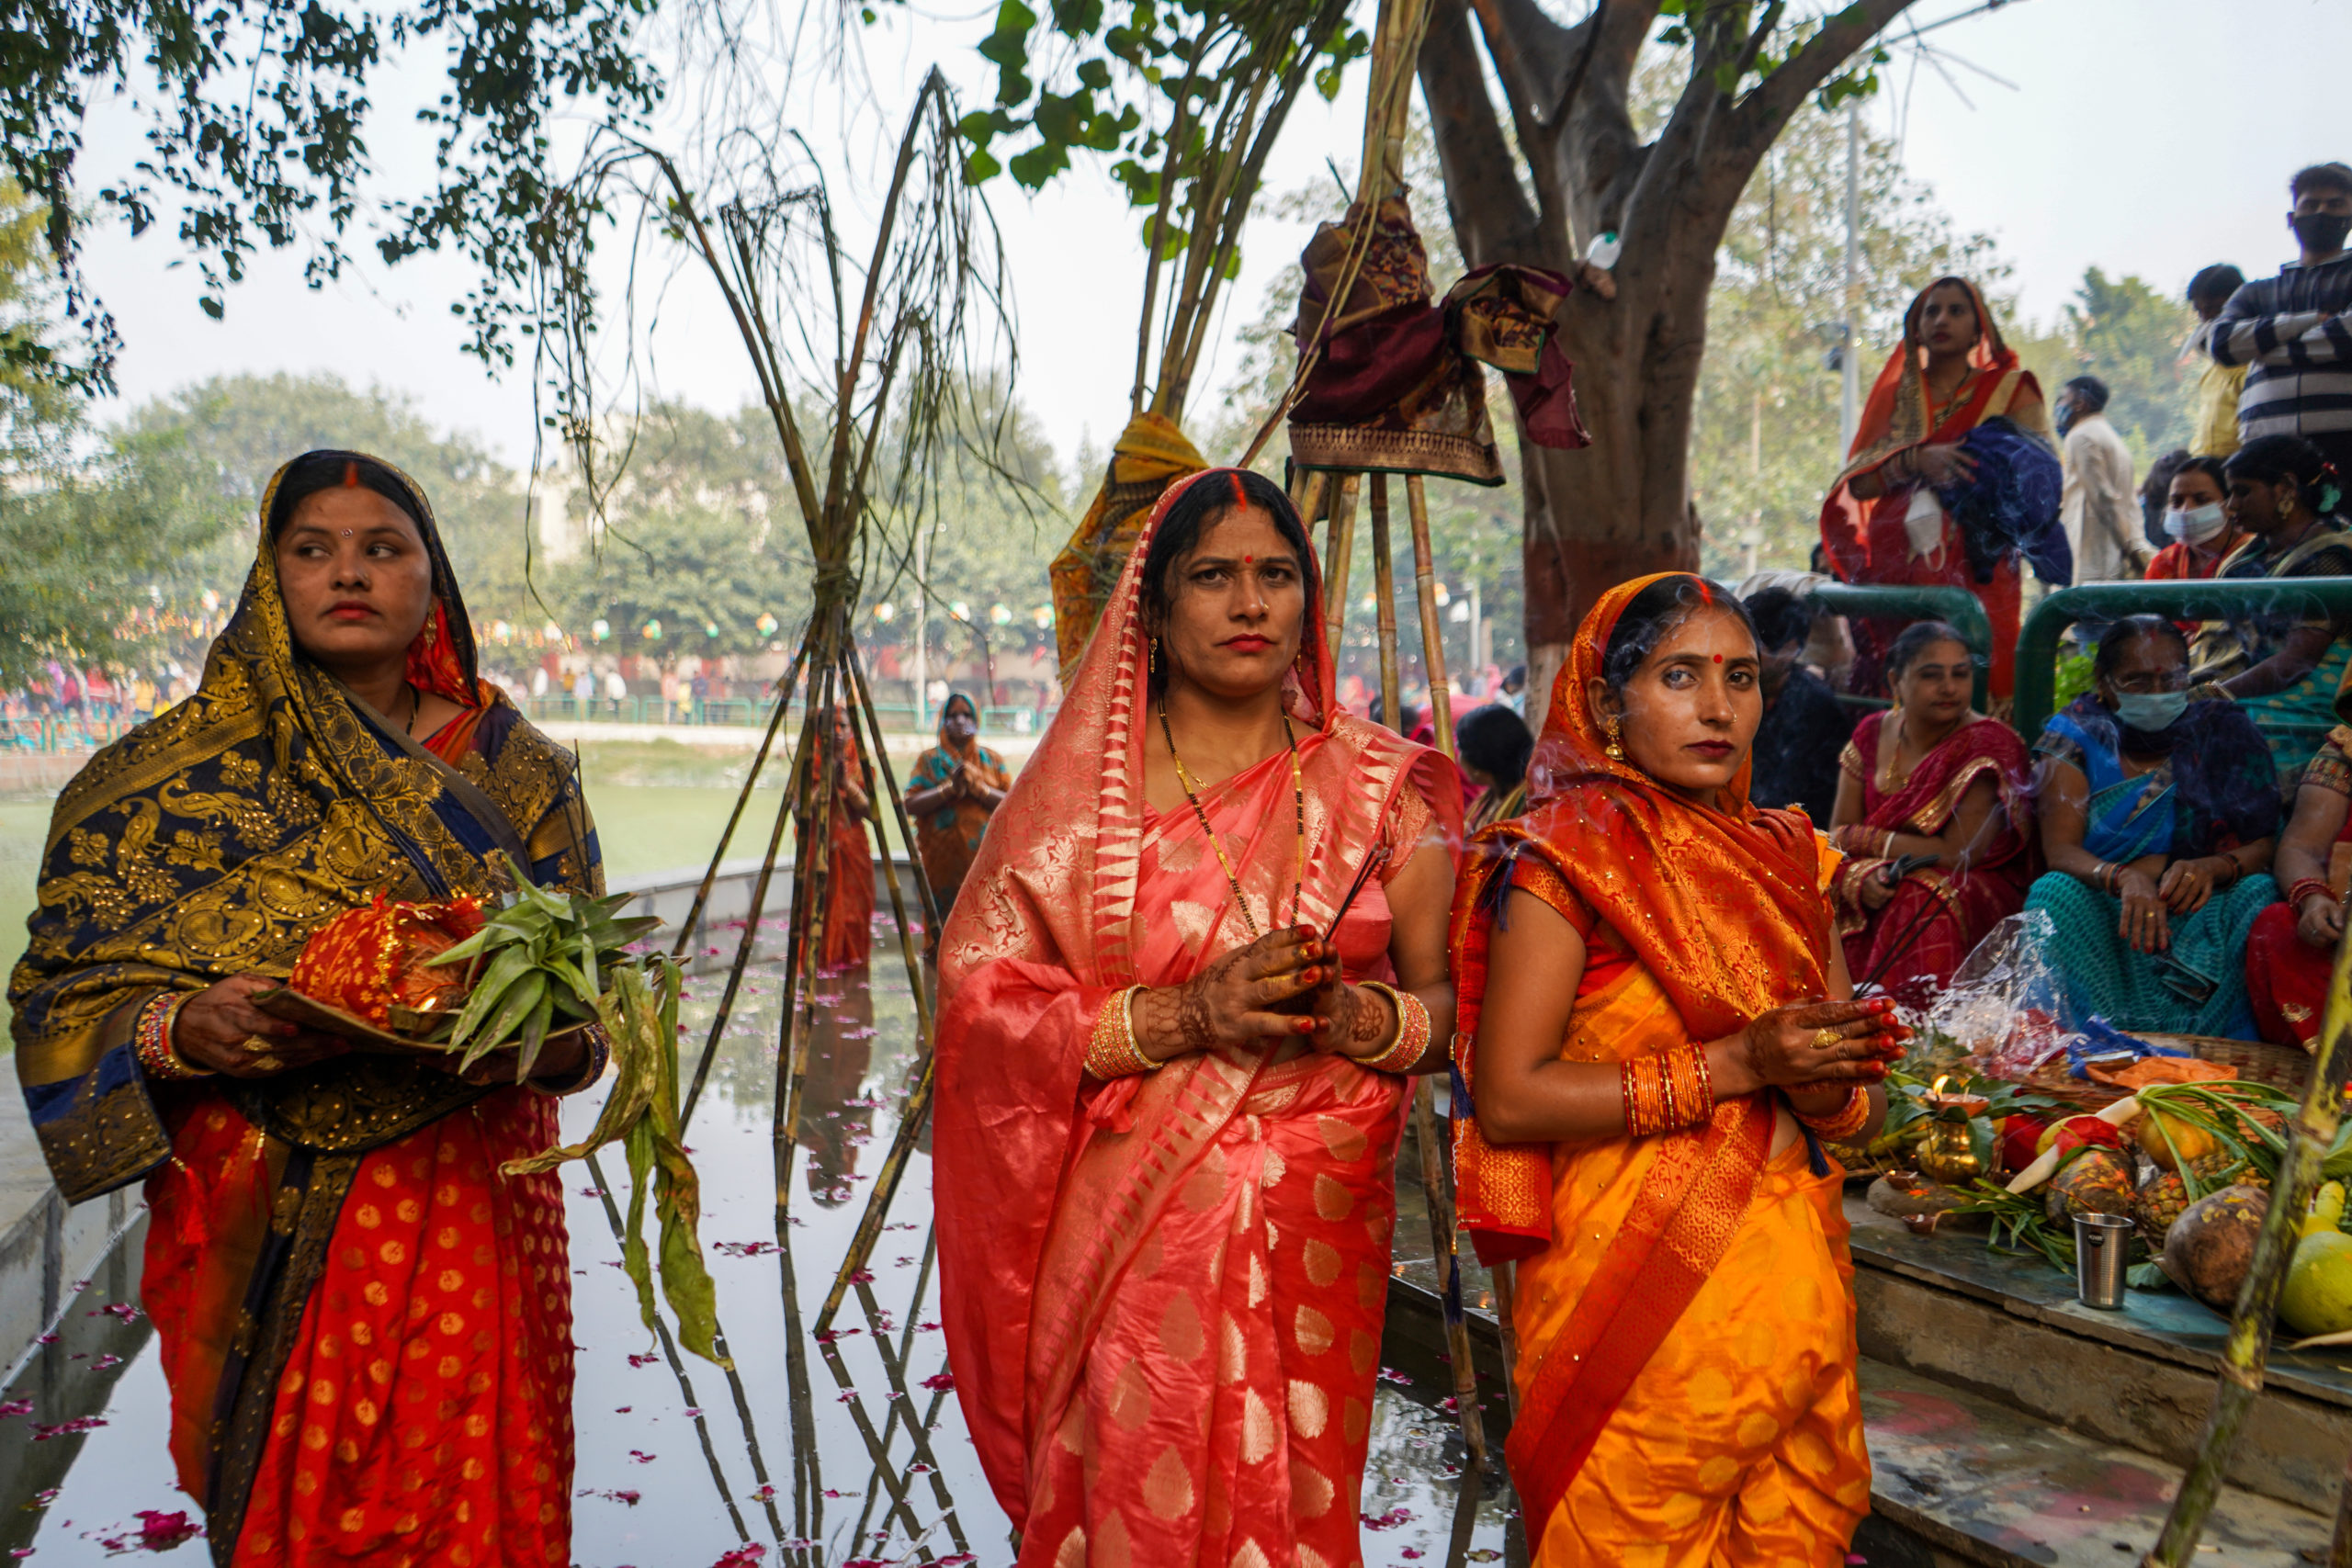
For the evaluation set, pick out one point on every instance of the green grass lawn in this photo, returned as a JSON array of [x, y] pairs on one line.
[[659, 806]]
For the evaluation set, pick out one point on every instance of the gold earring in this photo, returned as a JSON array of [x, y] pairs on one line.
[[1615, 749], [1151, 657]]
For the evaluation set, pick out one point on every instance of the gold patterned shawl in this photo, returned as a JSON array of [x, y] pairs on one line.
[[213, 839]]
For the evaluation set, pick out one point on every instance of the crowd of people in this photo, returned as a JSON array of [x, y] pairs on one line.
[[1660, 930]]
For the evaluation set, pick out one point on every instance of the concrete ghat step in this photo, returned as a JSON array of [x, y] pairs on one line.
[[1973, 1482]]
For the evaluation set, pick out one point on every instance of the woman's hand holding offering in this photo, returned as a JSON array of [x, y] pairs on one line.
[[1812, 1044], [1235, 997], [220, 1029]]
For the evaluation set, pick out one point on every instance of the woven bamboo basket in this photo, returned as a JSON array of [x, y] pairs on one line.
[[2254, 1061]]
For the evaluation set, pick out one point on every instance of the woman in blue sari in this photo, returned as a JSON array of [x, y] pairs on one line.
[[2283, 668], [2158, 818]]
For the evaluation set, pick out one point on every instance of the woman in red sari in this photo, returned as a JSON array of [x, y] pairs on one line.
[[2291, 949], [1886, 521], [366, 1330], [1655, 1025], [1168, 1114], [1929, 778]]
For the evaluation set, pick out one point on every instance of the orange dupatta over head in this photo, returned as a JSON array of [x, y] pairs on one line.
[[1895, 417], [1724, 908], [1050, 924]]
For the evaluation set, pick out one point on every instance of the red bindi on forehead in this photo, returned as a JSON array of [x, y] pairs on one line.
[[1719, 658], [1248, 560]]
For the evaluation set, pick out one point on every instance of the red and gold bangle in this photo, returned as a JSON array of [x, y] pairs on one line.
[[1643, 1082], [1844, 1121], [2303, 888], [1112, 1052], [1412, 1039], [1691, 1086], [151, 1041]]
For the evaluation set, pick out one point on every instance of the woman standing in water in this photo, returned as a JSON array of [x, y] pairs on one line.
[[366, 1330], [1168, 1111], [952, 792], [1662, 1030]]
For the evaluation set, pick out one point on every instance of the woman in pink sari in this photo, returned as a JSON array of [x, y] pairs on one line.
[[1168, 1111]]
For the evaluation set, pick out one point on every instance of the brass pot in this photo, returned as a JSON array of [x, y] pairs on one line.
[[1948, 1154]]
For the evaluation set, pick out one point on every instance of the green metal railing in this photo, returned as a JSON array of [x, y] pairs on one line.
[[2037, 671], [738, 713], [1956, 606]]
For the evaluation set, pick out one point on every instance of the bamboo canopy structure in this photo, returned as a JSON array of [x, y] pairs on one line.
[[862, 359]]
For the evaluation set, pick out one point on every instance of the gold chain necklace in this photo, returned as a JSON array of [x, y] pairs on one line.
[[1298, 802]]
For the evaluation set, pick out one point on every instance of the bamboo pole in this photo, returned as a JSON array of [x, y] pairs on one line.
[[1438, 1191], [2339, 1552], [1337, 559], [2247, 1349], [743, 953], [1384, 587], [1506, 1279], [687, 927], [1417, 510]]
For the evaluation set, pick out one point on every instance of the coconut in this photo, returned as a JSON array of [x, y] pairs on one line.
[[2096, 1181], [2209, 1248]]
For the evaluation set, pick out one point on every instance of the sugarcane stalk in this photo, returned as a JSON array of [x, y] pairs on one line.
[[1506, 1278], [1384, 586], [912, 1116], [687, 927], [1416, 511], [750, 931], [1437, 1190], [2247, 1352]]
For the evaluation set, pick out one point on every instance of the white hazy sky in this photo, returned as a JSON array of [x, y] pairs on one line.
[[2143, 135]]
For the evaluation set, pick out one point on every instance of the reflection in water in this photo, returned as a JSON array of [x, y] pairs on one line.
[[877, 1467]]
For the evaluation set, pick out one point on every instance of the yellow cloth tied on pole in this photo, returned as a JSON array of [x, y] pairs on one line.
[[1151, 453]]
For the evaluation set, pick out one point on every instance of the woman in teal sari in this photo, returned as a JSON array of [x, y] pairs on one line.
[[2158, 817], [2283, 668]]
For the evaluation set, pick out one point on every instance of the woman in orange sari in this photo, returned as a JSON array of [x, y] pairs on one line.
[[366, 1330], [1953, 474], [1168, 1113], [842, 768], [1655, 1029]]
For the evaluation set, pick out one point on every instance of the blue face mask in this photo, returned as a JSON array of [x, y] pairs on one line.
[[2151, 713]]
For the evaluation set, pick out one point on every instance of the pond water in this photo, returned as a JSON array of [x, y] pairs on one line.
[[844, 1450]]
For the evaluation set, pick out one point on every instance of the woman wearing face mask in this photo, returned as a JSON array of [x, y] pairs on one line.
[[1656, 1025], [1164, 1164], [2284, 670], [1929, 778], [952, 792], [2158, 817], [2197, 523], [1952, 416]]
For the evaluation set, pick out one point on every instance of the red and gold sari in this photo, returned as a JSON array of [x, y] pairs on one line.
[[365, 1330], [1164, 1295], [1686, 1373], [2285, 979], [1868, 542], [1913, 942]]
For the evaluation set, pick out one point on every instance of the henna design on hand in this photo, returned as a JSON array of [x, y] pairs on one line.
[[1369, 1023]]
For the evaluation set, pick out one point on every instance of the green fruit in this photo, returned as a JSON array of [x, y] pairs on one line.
[[2318, 1297]]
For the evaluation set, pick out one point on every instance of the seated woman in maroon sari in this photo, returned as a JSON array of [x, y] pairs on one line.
[[2291, 949], [1935, 821]]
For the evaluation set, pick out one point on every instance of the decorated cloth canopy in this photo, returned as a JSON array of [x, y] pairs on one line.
[[1397, 388]]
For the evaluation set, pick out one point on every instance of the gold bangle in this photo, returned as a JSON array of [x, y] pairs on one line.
[[1112, 1052], [152, 1044], [1412, 1039], [1843, 1122]]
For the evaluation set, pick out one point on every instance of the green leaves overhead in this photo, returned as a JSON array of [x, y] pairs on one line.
[[1178, 60]]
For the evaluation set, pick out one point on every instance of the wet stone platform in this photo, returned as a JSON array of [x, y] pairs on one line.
[[846, 1451]]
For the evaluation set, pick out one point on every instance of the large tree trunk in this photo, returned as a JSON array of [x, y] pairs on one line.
[[1622, 506]]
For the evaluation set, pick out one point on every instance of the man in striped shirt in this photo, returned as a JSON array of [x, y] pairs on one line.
[[2290, 332]]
